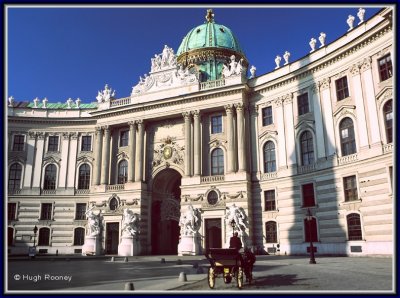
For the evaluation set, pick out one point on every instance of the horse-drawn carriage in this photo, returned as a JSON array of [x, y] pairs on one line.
[[231, 264]]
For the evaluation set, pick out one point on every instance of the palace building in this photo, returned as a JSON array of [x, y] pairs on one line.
[[203, 147]]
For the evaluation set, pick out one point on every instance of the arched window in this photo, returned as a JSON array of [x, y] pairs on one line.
[[84, 177], [269, 157], [44, 237], [79, 236], [217, 162], [388, 115], [123, 172], [354, 226], [10, 236], [270, 232], [307, 148], [347, 138], [14, 177], [50, 175], [310, 230]]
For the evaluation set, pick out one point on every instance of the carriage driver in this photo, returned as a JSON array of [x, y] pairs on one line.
[[235, 242]]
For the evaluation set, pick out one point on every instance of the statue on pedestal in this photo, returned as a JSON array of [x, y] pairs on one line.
[[93, 223], [190, 221], [130, 223]]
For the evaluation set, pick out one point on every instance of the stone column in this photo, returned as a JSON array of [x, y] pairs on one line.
[[289, 130], [72, 154], [132, 151], [319, 123], [139, 151], [105, 162], [197, 143], [280, 148], [230, 139], [62, 181], [368, 87], [37, 172], [30, 148], [360, 110], [241, 137], [188, 140], [327, 116], [98, 153]]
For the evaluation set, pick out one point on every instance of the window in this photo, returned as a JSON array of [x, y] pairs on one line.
[[53, 143], [84, 177], [19, 141], [267, 116], [217, 162], [269, 196], [385, 67], [302, 104], [86, 143], [113, 204], [391, 177], [269, 157], [80, 211], [388, 115], [307, 148], [10, 236], [354, 226], [12, 211], [310, 230], [14, 176], [50, 175], [212, 198], [216, 124], [270, 232], [307, 191], [44, 237], [124, 138], [347, 138], [46, 211], [79, 236], [123, 172], [350, 188], [342, 90]]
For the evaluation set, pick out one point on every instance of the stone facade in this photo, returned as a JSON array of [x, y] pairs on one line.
[[212, 145]]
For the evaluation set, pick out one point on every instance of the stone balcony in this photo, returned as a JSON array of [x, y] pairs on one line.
[[348, 159], [212, 179]]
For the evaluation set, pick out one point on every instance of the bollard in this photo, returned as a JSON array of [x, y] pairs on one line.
[[57, 252], [182, 276], [129, 286], [112, 259], [179, 262], [162, 260], [126, 259]]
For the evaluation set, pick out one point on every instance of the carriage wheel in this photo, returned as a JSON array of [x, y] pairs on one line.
[[211, 278], [239, 277]]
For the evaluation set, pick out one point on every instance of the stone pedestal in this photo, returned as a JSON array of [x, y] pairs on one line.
[[92, 246], [129, 246], [189, 245]]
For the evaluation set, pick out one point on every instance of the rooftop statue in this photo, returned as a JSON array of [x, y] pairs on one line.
[[350, 22], [312, 43], [277, 61], [360, 14], [252, 72], [322, 38], [286, 56], [233, 68], [106, 95]]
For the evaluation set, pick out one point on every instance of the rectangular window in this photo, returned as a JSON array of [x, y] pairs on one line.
[[53, 143], [46, 211], [342, 90], [86, 143], [350, 188], [302, 103], [308, 195], [269, 196], [12, 208], [216, 124], [80, 211], [267, 116], [385, 67], [124, 138], [18, 144]]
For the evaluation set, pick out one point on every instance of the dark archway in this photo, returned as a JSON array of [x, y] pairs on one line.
[[165, 212]]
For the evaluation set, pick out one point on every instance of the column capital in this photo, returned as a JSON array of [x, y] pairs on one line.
[[366, 64], [195, 113], [186, 115], [355, 70], [73, 135], [131, 123], [40, 135], [228, 108], [32, 135], [106, 128], [65, 135], [324, 83], [278, 102], [314, 88], [139, 122], [287, 98], [239, 106]]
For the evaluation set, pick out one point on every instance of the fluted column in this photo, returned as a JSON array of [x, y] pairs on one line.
[[131, 152], [30, 148], [106, 156], [280, 123], [229, 130], [139, 151], [241, 137], [98, 153], [197, 143], [188, 138], [37, 171], [326, 103]]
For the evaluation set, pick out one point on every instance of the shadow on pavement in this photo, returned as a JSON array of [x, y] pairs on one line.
[[278, 280]]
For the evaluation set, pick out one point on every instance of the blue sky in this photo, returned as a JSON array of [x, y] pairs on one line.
[[66, 52]]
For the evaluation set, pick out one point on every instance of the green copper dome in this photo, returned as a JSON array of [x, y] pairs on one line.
[[208, 47]]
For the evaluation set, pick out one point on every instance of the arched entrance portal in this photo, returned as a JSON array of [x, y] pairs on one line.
[[165, 212]]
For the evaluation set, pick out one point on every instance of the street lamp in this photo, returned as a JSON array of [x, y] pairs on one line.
[[309, 219], [34, 235], [233, 224]]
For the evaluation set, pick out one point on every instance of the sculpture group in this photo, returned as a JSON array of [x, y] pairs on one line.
[[190, 221]]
